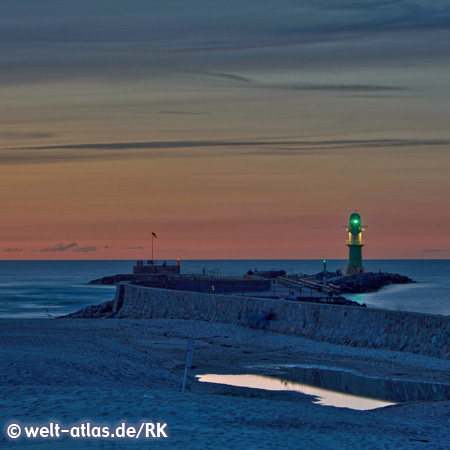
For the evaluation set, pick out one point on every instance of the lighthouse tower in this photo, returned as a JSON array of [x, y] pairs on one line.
[[355, 244]]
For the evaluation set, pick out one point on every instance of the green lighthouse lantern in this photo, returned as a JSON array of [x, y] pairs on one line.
[[355, 244]]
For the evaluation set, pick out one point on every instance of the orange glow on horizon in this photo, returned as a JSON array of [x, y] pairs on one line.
[[219, 207]]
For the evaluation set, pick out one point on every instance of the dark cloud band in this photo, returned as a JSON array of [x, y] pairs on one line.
[[160, 149]]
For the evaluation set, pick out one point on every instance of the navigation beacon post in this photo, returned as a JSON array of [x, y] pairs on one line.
[[355, 244]]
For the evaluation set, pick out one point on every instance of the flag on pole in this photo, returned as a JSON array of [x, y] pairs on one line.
[[154, 234]]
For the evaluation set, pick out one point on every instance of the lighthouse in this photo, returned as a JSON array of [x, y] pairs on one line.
[[355, 245]]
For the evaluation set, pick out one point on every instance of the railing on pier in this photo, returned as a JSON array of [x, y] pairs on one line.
[[304, 282], [212, 274]]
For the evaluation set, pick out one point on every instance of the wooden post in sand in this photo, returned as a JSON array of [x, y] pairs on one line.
[[188, 364]]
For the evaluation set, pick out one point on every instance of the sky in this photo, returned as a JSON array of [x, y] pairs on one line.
[[246, 129]]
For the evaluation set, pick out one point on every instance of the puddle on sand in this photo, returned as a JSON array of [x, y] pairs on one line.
[[336, 387], [324, 396], [395, 390]]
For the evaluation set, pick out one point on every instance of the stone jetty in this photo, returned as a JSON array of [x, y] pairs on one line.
[[369, 282]]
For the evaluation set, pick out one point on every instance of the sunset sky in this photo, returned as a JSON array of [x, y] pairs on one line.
[[233, 130]]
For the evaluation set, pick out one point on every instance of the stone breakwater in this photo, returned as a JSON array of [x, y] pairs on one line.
[[345, 325], [369, 282]]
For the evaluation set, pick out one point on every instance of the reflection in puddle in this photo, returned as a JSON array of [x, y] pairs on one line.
[[336, 387], [395, 390], [269, 383]]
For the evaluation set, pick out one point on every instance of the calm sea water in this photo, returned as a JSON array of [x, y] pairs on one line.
[[43, 288]]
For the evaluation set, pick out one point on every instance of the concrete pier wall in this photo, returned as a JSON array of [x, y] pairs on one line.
[[346, 325]]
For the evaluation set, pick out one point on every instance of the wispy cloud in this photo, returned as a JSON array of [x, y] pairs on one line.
[[183, 113], [210, 22], [435, 250], [85, 249], [160, 149], [59, 247], [12, 249], [26, 135], [228, 76], [302, 86], [158, 145], [73, 246]]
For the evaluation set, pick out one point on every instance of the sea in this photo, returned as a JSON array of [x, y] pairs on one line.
[[47, 289]]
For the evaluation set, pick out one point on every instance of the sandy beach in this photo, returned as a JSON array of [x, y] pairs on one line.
[[112, 371]]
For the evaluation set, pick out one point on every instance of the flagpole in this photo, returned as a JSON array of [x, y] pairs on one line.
[[153, 236]]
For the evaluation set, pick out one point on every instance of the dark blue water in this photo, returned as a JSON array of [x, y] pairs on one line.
[[40, 288]]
